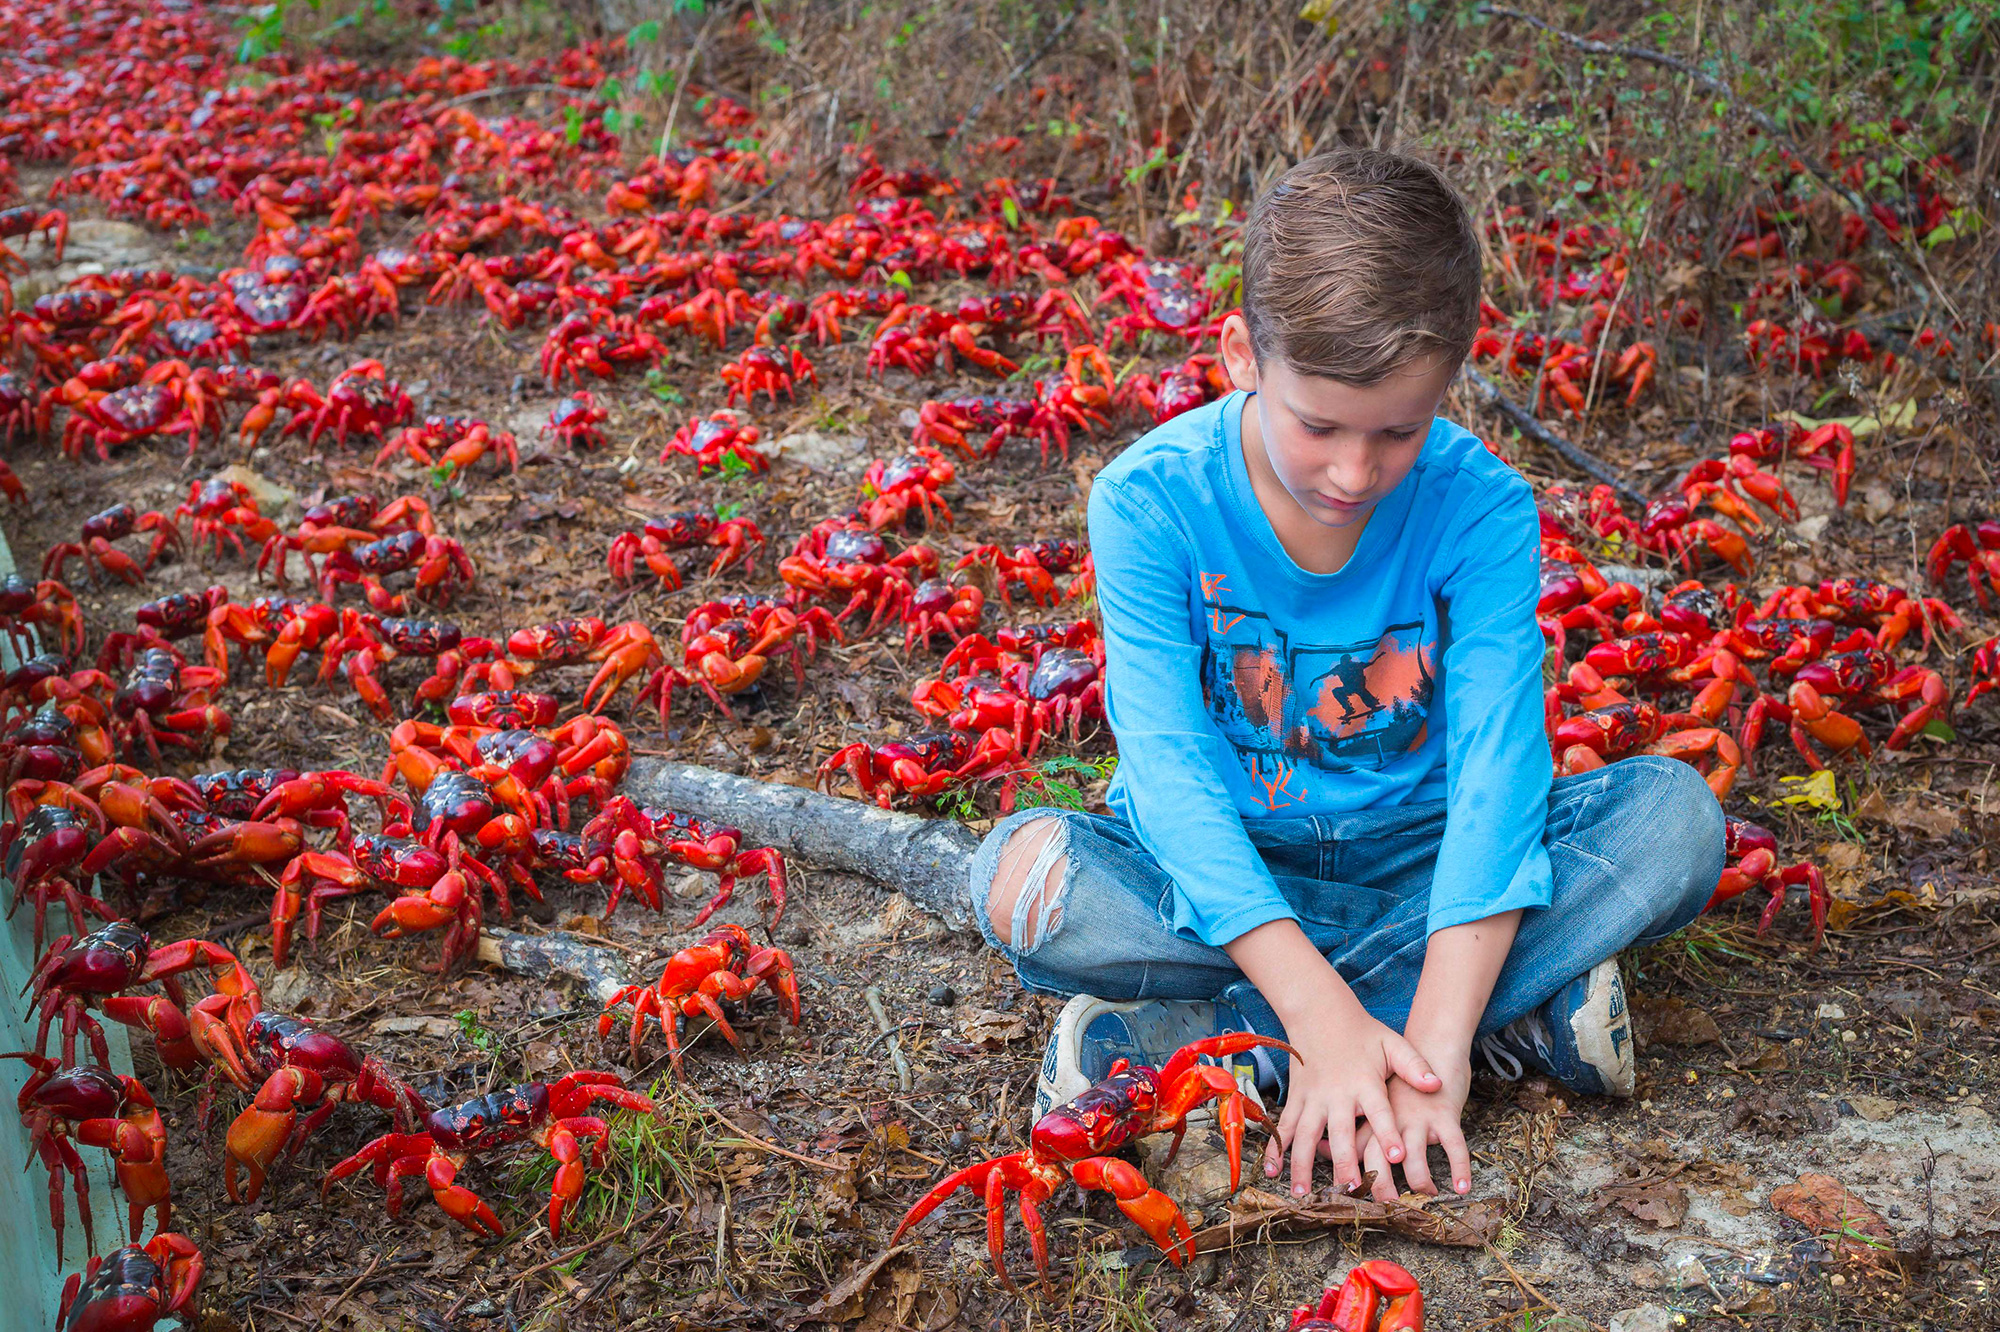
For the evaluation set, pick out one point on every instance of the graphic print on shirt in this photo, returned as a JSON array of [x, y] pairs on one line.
[[1337, 707]]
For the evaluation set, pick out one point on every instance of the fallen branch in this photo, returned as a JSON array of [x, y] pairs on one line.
[[1710, 83], [541, 955], [927, 860], [1530, 425], [1253, 1213]]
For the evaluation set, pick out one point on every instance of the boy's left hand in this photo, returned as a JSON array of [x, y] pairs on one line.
[[1423, 1118]]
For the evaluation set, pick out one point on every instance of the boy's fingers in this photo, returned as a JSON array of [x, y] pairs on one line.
[[1340, 1135], [1453, 1138], [1381, 1118], [1411, 1067], [1384, 1190], [1274, 1156], [1312, 1127], [1417, 1165]]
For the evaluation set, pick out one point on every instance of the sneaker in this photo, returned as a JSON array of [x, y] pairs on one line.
[[1581, 1037], [1091, 1034]]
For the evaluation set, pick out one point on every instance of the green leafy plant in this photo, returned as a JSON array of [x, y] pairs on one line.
[[660, 387], [1044, 789], [475, 1032]]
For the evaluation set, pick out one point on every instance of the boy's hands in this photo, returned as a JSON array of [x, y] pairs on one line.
[[1349, 1067], [1422, 1118], [1345, 1063]]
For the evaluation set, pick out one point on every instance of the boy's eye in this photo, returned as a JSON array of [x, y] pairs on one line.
[[1402, 434]]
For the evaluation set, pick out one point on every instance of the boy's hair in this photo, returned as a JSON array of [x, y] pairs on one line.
[[1358, 262]]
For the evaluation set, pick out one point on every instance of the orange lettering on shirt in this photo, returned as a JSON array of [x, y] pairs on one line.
[[1212, 584]]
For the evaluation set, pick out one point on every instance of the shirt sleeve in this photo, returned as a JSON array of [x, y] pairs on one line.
[[1170, 755], [1497, 769]]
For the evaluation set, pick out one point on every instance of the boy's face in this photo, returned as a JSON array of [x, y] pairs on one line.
[[1336, 449]]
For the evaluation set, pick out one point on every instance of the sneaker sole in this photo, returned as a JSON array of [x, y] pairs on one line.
[[1602, 1030]]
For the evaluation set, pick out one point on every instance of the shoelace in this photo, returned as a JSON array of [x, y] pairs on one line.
[[1527, 1031]]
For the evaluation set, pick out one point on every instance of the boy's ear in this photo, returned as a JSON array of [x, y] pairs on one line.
[[1239, 356]]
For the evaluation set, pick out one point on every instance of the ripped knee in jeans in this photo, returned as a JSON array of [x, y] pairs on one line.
[[1024, 905]]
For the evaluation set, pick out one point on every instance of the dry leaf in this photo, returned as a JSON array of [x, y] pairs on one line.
[[993, 1029], [413, 1026], [1925, 814], [1671, 1021], [1874, 1109], [1658, 1202], [1823, 1205], [845, 1302]]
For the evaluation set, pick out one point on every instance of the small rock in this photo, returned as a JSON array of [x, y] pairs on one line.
[[284, 991], [1646, 1318], [822, 452], [943, 996], [1830, 1012], [481, 1308], [272, 498], [1874, 1109]]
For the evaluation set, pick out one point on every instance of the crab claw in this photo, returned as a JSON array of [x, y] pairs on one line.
[[260, 1132]]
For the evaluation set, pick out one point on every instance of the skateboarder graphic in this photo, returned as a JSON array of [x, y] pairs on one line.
[[1350, 682]]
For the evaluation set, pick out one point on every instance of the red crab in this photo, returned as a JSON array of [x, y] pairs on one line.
[[714, 439], [451, 442], [573, 421], [220, 510], [1160, 296], [1030, 566], [729, 656], [893, 487], [47, 604], [372, 862], [951, 421], [1358, 1303], [362, 399], [75, 975], [130, 1289], [1985, 670], [1867, 677], [733, 540], [165, 701], [1978, 547], [335, 524], [441, 565], [841, 558], [1195, 381], [366, 643], [598, 342], [103, 528], [923, 764], [1072, 1142], [724, 965], [764, 370], [97, 1108], [1753, 863], [940, 607], [639, 836], [1069, 401], [302, 1067], [553, 1115]]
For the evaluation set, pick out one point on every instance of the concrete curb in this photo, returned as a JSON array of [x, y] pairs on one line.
[[29, 1276]]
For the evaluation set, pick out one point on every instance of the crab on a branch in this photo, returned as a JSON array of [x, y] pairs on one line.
[[1073, 1142], [639, 837], [726, 964]]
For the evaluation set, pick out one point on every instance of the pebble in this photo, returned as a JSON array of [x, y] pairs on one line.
[[481, 1308], [943, 996]]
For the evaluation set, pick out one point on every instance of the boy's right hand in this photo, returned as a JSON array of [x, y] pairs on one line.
[[1345, 1057], [1341, 1075]]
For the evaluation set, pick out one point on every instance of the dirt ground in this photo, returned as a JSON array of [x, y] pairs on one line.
[[764, 1191]]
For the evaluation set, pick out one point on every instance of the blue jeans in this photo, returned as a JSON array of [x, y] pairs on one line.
[[1635, 847]]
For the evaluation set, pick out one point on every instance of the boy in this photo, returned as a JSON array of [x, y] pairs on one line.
[[1334, 820]]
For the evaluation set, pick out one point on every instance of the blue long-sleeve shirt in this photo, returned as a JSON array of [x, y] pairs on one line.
[[1241, 686]]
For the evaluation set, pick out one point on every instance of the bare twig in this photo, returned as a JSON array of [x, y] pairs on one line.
[[752, 1140], [888, 1029], [1528, 424], [326, 1314]]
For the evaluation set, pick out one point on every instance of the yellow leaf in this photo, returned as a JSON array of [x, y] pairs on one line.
[[1816, 790], [1900, 417], [1321, 14]]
